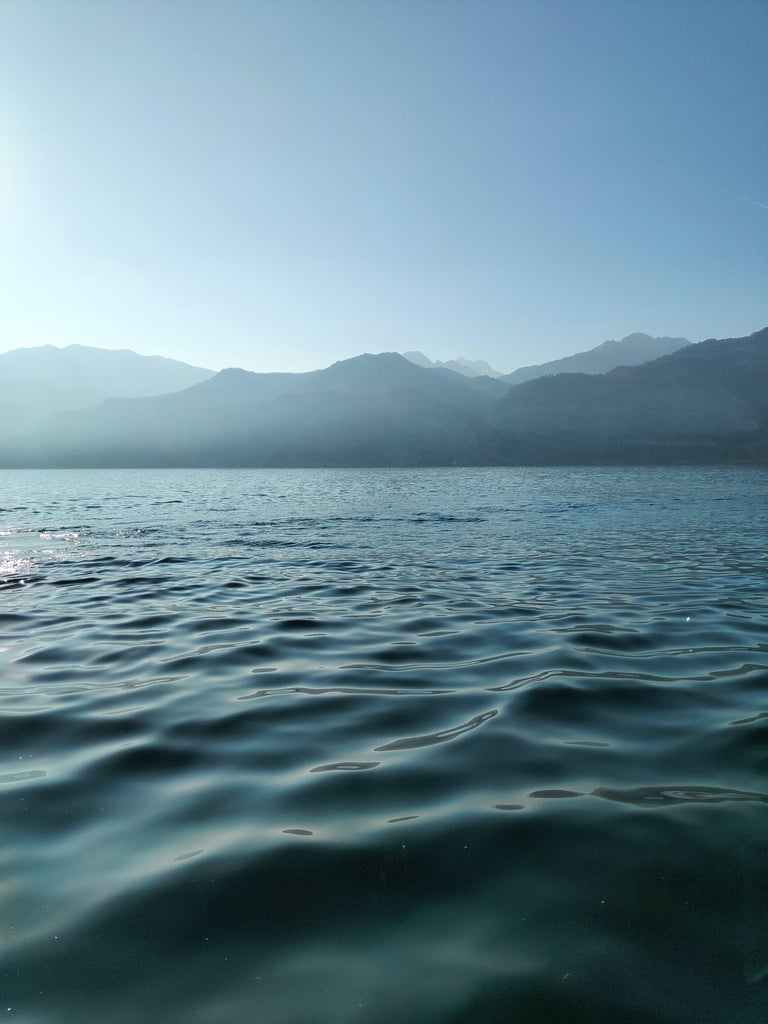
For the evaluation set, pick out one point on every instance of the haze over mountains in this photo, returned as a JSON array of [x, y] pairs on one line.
[[701, 403], [372, 409], [36, 382], [705, 402], [466, 367], [630, 351]]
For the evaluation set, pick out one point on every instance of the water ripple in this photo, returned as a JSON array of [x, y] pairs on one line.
[[567, 675], [442, 736]]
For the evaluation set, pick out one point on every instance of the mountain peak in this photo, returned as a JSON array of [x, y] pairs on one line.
[[35, 382], [466, 367], [631, 350]]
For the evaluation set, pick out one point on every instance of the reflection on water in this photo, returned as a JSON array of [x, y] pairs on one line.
[[384, 746]]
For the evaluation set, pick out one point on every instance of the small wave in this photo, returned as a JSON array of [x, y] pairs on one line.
[[12, 582], [554, 794], [656, 796], [24, 776], [74, 581], [442, 736]]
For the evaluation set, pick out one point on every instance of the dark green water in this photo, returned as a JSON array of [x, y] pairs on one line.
[[419, 747]]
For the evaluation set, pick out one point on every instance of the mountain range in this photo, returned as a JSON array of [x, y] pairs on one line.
[[372, 409], [466, 367], [630, 351], [36, 382], [701, 403]]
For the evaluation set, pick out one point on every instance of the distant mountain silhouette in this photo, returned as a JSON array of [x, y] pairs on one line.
[[35, 382], [630, 351], [705, 402], [362, 375], [467, 367], [369, 410]]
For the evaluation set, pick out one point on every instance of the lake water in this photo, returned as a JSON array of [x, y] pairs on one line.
[[392, 747]]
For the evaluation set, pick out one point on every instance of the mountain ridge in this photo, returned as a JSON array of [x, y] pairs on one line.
[[466, 367], [38, 381], [702, 403], [632, 350], [243, 418]]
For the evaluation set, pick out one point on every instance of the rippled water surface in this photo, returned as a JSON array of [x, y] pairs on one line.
[[454, 746]]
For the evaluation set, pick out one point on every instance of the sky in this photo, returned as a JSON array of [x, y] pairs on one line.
[[279, 184]]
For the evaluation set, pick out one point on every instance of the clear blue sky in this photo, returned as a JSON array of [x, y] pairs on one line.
[[277, 184]]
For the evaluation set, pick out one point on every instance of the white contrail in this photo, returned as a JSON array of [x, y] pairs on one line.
[[702, 182], [737, 196]]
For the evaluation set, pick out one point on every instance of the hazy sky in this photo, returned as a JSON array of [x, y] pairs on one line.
[[277, 185]]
